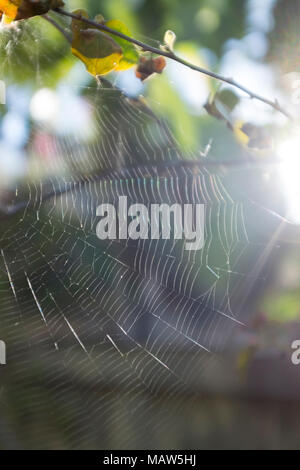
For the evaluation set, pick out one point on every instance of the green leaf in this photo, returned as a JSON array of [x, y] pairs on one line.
[[130, 53]]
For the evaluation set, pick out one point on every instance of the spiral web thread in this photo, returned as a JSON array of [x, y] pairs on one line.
[[97, 330]]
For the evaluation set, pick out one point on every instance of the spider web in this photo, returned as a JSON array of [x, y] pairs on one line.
[[99, 332]]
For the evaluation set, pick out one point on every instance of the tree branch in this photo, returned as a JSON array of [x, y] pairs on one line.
[[58, 27], [170, 55]]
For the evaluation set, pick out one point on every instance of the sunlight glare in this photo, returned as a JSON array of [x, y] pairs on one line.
[[44, 105], [289, 169]]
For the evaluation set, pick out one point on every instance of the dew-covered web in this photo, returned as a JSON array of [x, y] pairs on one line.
[[107, 338]]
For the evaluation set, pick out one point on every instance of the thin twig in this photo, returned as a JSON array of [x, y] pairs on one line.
[[170, 55], [58, 27]]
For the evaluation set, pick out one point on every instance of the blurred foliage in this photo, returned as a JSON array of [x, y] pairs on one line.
[[282, 306], [35, 52], [285, 39], [208, 23]]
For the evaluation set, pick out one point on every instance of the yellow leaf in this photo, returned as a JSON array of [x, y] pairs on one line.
[[241, 136], [259, 137], [10, 8], [98, 66], [97, 50], [23, 9]]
